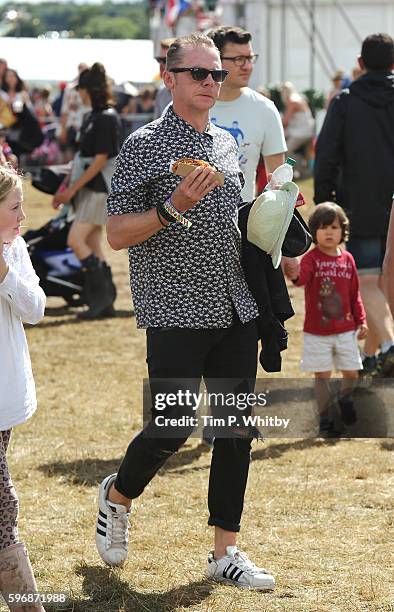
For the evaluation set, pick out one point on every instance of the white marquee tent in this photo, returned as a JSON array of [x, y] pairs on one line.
[[53, 60]]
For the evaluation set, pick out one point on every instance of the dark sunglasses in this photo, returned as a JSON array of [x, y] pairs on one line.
[[200, 74], [161, 60]]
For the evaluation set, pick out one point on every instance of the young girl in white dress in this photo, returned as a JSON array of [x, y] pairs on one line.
[[21, 300]]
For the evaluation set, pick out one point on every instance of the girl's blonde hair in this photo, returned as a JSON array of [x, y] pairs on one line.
[[9, 179]]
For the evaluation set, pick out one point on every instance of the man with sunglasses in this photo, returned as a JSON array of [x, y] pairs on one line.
[[190, 292], [163, 95], [251, 118]]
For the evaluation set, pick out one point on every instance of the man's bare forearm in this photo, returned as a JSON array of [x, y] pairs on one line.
[[132, 229]]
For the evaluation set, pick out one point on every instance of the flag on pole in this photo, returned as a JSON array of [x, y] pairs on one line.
[[174, 10]]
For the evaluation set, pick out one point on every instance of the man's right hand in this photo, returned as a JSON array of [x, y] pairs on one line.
[[193, 188]]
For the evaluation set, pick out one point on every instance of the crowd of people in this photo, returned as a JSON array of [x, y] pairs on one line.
[[41, 124], [193, 288]]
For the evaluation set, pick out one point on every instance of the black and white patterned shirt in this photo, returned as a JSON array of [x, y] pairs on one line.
[[189, 278]]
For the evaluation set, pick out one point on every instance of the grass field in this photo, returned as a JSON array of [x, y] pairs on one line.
[[318, 514]]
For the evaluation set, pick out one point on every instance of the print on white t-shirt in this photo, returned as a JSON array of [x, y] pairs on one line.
[[256, 126]]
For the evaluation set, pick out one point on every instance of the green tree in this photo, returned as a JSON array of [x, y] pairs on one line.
[[102, 26], [107, 20]]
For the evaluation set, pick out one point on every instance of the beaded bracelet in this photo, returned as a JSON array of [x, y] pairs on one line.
[[163, 213], [175, 215]]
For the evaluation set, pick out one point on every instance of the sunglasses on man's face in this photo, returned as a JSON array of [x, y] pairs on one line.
[[200, 74], [161, 60]]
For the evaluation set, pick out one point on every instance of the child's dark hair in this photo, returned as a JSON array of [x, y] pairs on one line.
[[325, 214], [96, 83]]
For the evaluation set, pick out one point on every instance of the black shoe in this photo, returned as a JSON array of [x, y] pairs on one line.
[[110, 283], [347, 410], [385, 364], [99, 290], [327, 428], [369, 366]]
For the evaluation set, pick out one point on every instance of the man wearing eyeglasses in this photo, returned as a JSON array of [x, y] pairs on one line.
[[190, 292], [163, 95], [259, 128]]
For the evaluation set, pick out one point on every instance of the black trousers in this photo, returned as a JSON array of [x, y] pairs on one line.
[[172, 355]]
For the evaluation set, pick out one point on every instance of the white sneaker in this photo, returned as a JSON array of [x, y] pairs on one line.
[[112, 527], [235, 568]]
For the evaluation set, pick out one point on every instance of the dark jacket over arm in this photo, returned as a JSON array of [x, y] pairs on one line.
[[269, 289]]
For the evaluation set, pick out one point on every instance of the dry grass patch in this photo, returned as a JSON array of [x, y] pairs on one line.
[[317, 514]]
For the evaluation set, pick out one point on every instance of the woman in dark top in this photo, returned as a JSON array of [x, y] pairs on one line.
[[25, 134], [99, 143]]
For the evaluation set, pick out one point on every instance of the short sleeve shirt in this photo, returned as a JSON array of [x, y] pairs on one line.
[[100, 133], [188, 278], [256, 126]]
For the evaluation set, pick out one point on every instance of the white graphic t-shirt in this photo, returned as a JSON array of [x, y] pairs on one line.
[[255, 123]]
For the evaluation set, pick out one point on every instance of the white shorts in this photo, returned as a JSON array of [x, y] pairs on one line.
[[335, 352]]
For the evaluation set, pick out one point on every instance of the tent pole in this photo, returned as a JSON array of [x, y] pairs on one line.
[[284, 42], [313, 44]]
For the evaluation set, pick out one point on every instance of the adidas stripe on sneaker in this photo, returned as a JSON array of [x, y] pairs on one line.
[[111, 527], [236, 569]]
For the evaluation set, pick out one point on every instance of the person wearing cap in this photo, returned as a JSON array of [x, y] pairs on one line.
[[163, 95], [354, 167], [190, 293]]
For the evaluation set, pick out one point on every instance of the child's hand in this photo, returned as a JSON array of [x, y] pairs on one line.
[[56, 204], [362, 332], [62, 197], [291, 267]]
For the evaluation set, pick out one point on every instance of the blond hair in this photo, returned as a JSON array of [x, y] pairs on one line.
[[9, 179]]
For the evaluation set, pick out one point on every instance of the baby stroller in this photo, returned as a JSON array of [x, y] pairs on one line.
[[58, 267], [55, 264]]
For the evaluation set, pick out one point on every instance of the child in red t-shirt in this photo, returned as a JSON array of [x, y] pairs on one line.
[[334, 313]]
